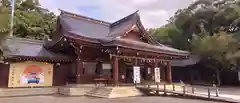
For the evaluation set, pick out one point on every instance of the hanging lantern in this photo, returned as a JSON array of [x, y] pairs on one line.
[[110, 56], [58, 64], [65, 39]]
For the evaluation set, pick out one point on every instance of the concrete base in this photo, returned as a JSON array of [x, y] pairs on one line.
[[8, 92], [75, 90]]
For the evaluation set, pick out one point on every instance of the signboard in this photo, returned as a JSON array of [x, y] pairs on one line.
[[136, 74], [157, 75], [106, 66], [29, 74], [149, 70]]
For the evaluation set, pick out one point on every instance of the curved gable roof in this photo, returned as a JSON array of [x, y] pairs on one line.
[[106, 33]]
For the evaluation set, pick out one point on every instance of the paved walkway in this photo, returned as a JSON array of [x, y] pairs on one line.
[[52, 99]]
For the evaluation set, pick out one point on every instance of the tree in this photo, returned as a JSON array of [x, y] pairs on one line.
[[220, 51], [206, 28], [30, 21], [170, 35]]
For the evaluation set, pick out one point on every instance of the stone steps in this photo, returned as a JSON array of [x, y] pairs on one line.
[[27, 91], [75, 91], [102, 92], [118, 92], [114, 92]]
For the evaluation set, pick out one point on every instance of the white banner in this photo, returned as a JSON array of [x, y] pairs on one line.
[[136, 73], [157, 75], [239, 75]]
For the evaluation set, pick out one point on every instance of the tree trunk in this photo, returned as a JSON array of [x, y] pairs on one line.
[[218, 77]]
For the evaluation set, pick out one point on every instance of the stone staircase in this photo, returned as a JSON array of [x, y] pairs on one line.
[[75, 91], [119, 92], [102, 92], [114, 92], [8, 92]]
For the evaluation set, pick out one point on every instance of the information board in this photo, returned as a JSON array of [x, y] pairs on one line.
[[30, 74]]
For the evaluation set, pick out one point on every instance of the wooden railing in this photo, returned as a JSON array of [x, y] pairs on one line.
[[185, 90]]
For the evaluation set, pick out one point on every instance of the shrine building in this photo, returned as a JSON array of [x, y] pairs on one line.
[[84, 50]]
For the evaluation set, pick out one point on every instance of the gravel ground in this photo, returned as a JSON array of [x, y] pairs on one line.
[[57, 99]]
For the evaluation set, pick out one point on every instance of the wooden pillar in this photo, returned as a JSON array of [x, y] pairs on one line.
[[135, 62], [79, 64], [152, 71], [115, 70], [79, 68], [155, 63], [169, 72], [146, 71]]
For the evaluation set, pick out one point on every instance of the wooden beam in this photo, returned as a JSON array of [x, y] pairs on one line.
[[141, 58]]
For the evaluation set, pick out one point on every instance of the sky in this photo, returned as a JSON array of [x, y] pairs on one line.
[[153, 13]]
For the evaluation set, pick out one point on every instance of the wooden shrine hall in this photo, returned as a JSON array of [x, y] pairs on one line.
[[114, 48], [97, 50]]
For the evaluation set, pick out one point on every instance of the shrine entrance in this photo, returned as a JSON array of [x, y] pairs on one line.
[[129, 75]]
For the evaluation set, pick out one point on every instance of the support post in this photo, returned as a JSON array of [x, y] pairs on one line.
[[169, 72], [79, 64], [115, 70], [209, 93], [79, 67], [173, 87], [184, 90], [164, 89], [157, 91], [193, 90], [217, 92]]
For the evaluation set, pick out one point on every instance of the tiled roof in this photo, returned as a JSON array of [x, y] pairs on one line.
[[106, 33], [146, 47], [29, 48]]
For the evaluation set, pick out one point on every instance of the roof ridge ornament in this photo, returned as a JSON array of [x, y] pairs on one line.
[[125, 18]]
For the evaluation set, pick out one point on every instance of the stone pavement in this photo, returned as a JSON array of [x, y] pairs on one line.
[[56, 99]]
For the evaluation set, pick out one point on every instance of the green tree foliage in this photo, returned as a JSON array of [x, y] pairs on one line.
[[30, 21], [219, 49], [208, 28]]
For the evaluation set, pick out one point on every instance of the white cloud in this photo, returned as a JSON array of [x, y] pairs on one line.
[[154, 13]]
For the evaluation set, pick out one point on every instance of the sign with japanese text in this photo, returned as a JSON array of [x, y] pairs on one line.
[[157, 75], [136, 73]]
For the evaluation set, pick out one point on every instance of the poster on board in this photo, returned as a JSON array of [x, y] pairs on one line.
[[30, 74], [157, 75], [136, 74]]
